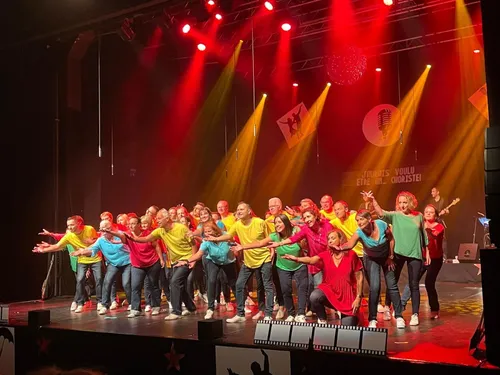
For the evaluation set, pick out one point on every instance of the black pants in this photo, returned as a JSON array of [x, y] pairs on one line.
[[430, 284], [318, 303], [277, 285], [414, 271]]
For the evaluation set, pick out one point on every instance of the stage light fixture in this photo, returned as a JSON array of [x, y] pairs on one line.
[[218, 16], [211, 3], [476, 51], [328, 84], [295, 84], [286, 26], [429, 66], [264, 95], [186, 28], [269, 6], [202, 47], [388, 2], [378, 69]]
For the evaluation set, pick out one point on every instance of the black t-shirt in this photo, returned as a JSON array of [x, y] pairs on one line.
[[440, 204]]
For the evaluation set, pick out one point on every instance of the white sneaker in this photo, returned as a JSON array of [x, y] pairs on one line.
[[229, 307], [79, 309], [249, 301], [258, 316], [414, 320], [133, 314], [73, 306], [280, 314], [236, 319], [114, 305], [103, 311], [387, 313], [172, 317], [290, 319], [209, 314], [186, 312], [372, 324], [321, 321], [148, 308], [155, 311], [99, 306], [400, 323], [268, 318], [300, 318]]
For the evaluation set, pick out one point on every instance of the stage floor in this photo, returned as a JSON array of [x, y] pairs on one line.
[[445, 340]]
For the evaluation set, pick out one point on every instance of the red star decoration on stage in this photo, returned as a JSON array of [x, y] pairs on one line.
[[43, 345], [174, 359]]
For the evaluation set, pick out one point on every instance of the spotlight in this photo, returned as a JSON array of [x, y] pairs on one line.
[[328, 84], [211, 3], [264, 95], [218, 16], [476, 51], [378, 69], [186, 28], [269, 6], [202, 47], [388, 2], [286, 26], [295, 84], [429, 66]]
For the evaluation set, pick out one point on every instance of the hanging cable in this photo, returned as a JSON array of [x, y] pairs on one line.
[[99, 151]]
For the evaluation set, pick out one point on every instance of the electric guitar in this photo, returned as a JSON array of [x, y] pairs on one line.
[[454, 202]]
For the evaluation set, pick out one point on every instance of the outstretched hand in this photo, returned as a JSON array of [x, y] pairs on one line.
[[290, 257], [367, 196], [273, 245], [45, 232]]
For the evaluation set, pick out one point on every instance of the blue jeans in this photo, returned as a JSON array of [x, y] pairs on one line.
[[318, 303], [178, 290], [264, 275], [372, 269], [139, 275], [81, 270], [314, 281], [301, 278], [213, 272], [110, 278], [414, 268], [430, 284]]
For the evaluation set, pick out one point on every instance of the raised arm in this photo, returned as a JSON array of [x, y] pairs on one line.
[[351, 243], [148, 238], [305, 260], [376, 207], [55, 236], [44, 247], [118, 234], [253, 245]]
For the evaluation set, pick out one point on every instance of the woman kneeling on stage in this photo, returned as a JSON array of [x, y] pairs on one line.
[[342, 280], [218, 257]]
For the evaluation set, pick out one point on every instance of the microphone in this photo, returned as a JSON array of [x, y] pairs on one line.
[[481, 214]]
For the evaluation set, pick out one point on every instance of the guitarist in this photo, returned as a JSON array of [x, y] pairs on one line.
[[439, 203]]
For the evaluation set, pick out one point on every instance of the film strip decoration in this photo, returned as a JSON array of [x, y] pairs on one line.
[[330, 337]]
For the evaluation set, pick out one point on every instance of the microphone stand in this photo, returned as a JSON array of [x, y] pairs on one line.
[[475, 228]]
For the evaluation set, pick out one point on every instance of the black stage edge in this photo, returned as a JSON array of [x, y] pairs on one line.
[[136, 354]]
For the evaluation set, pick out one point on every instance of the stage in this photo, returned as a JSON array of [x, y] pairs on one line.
[[439, 343]]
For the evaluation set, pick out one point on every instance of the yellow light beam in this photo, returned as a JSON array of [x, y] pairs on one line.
[[374, 158], [231, 178], [285, 168]]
